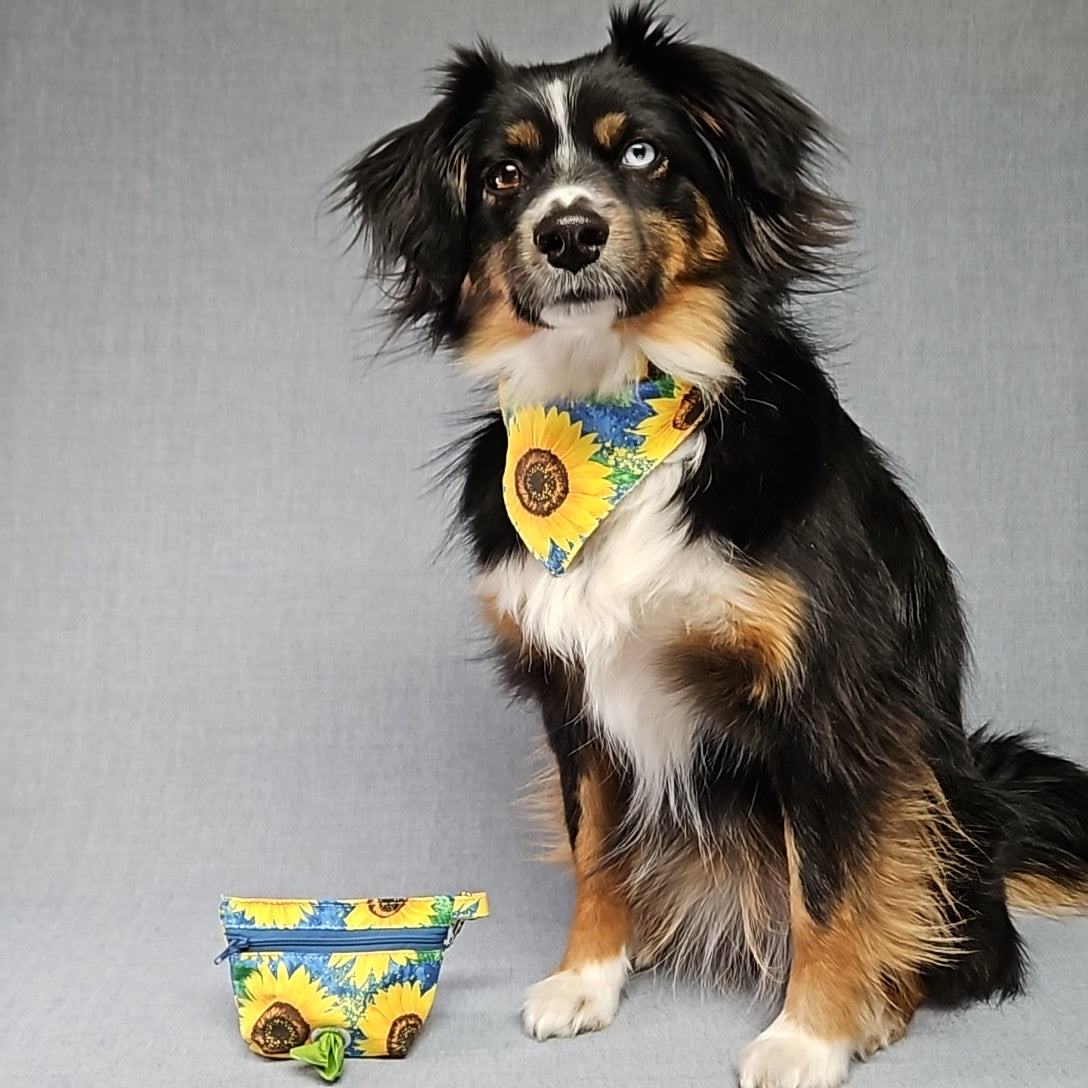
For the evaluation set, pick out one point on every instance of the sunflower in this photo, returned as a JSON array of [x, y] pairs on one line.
[[278, 1009], [393, 1019], [274, 913], [671, 422], [552, 489], [389, 914], [365, 964]]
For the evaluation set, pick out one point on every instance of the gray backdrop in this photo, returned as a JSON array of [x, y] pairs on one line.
[[234, 655]]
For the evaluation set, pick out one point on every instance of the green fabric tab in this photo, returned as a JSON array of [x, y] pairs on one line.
[[325, 1053]]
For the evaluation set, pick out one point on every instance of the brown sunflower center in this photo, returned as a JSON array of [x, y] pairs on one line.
[[541, 481], [401, 1033], [385, 908], [279, 1028], [688, 410]]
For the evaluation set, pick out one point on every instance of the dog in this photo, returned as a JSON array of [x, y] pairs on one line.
[[745, 642]]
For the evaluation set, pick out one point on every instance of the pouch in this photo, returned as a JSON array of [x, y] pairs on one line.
[[363, 969]]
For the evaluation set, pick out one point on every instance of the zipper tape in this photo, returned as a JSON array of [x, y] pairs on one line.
[[260, 939]]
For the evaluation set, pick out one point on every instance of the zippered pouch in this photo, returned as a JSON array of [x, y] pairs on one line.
[[349, 977]]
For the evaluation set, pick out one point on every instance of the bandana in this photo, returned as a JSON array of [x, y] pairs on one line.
[[570, 462]]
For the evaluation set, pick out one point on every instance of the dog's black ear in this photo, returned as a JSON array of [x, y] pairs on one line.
[[766, 145], [406, 195]]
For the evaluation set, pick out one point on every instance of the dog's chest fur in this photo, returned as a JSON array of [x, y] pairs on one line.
[[639, 585]]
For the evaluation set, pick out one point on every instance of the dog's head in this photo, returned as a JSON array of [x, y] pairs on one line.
[[630, 203]]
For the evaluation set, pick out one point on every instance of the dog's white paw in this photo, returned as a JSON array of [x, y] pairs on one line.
[[580, 999], [787, 1056]]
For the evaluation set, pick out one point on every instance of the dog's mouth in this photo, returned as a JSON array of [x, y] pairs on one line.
[[574, 313], [574, 299], [551, 305], [565, 308]]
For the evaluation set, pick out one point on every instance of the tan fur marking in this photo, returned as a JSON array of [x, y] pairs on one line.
[[671, 246], [856, 977], [601, 925], [901, 1000], [607, 129], [524, 136], [689, 314], [659, 167], [770, 630], [502, 624], [680, 252], [494, 326], [762, 630], [1043, 895], [712, 246]]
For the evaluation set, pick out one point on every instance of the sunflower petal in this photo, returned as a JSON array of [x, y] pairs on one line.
[[561, 480]]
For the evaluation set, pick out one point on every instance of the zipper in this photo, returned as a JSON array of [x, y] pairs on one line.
[[263, 939]]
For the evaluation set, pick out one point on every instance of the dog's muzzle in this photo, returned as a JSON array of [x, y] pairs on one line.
[[571, 238]]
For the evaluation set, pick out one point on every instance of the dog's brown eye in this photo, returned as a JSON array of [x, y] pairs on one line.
[[503, 176]]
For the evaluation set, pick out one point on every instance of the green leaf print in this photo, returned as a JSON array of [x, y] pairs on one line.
[[239, 974]]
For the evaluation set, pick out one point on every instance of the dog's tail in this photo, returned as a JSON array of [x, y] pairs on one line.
[[1044, 804]]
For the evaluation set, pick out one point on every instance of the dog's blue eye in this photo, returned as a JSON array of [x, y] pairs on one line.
[[639, 154]]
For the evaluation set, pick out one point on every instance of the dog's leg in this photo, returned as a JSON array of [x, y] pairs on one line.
[[851, 990], [584, 992]]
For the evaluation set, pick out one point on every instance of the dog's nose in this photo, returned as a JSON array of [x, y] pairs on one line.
[[571, 238]]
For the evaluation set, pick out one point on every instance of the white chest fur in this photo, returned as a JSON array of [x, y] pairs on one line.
[[638, 584]]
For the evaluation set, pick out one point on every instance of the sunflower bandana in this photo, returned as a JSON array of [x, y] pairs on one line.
[[324, 979], [570, 462]]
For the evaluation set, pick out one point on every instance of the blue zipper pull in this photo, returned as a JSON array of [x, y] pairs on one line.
[[235, 944]]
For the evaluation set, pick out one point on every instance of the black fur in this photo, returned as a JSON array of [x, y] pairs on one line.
[[406, 196], [764, 147], [749, 146], [788, 482], [1042, 806]]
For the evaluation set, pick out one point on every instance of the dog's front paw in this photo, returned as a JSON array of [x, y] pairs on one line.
[[787, 1056], [579, 999]]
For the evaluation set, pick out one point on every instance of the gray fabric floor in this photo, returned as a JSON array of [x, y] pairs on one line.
[[233, 653]]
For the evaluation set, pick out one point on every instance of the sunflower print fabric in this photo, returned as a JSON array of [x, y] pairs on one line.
[[280, 1007], [366, 968], [569, 463], [394, 1018]]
